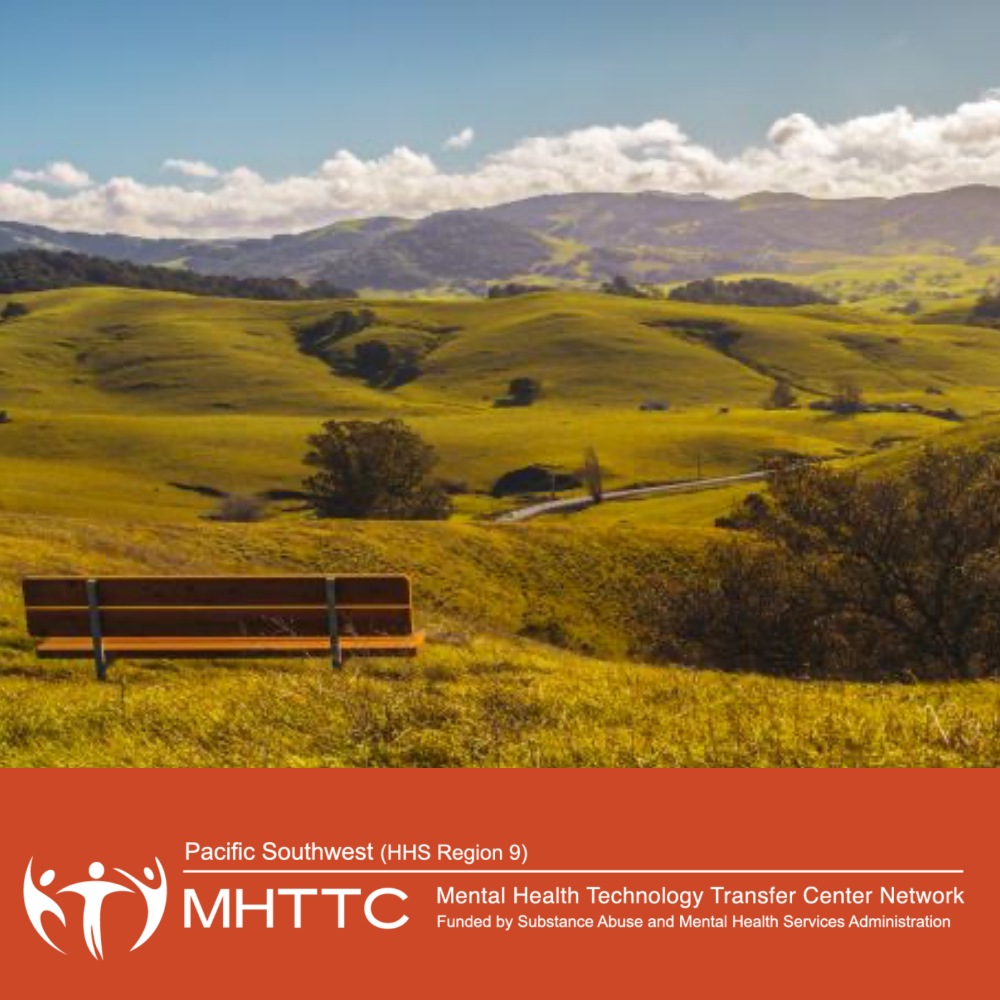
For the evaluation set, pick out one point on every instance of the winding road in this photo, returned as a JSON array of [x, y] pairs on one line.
[[570, 505]]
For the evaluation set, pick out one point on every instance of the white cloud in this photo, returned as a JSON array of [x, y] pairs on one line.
[[887, 153], [461, 140], [192, 168], [58, 174]]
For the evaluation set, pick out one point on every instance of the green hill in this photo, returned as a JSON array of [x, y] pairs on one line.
[[118, 394], [128, 409]]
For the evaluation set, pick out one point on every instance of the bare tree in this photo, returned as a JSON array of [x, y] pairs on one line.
[[782, 396], [592, 474]]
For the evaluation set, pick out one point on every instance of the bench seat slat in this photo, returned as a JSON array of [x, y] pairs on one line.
[[174, 647], [50, 623], [217, 591]]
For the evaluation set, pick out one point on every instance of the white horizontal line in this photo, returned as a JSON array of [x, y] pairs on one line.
[[574, 871]]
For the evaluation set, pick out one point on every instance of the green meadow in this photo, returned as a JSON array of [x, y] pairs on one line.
[[124, 393], [125, 407]]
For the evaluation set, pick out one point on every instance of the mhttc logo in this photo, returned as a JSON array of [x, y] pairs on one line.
[[40, 899]]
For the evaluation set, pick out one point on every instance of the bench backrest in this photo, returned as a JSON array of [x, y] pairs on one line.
[[217, 606]]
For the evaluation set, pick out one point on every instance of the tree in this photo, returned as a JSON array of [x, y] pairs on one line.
[[764, 292], [373, 360], [782, 396], [13, 310], [620, 285], [847, 397], [893, 577], [513, 289], [41, 270], [987, 308], [382, 366], [524, 391], [592, 475], [316, 337], [375, 470]]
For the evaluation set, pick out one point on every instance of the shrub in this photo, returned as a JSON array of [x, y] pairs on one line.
[[534, 479], [746, 516], [375, 470], [524, 391], [241, 508], [13, 310], [873, 578]]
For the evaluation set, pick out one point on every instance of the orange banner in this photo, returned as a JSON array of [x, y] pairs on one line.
[[499, 883]]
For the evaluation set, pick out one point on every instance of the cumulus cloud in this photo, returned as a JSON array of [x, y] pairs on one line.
[[461, 140], [58, 174], [192, 168], [888, 153]]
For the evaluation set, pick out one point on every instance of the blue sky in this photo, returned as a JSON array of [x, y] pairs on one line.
[[117, 89]]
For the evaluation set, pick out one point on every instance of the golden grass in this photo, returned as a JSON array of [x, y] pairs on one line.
[[486, 691]]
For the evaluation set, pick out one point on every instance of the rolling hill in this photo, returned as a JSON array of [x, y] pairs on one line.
[[121, 400], [131, 410]]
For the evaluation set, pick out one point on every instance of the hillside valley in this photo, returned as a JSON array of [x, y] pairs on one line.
[[128, 392], [130, 416]]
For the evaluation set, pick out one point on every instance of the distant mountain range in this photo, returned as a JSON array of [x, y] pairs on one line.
[[573, 239]]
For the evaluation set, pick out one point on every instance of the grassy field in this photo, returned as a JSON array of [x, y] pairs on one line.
[[120, 402], [684, 510], [498, 685], [486, 703], [119, 399]]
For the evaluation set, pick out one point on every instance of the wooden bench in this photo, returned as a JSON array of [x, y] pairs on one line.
[[211, 617]]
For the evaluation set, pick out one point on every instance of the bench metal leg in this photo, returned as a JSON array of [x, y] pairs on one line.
[[336, 652], [96, 633]]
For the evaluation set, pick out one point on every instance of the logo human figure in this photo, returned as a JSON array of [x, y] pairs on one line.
[[38, 903], [94, 893], [156, 900]]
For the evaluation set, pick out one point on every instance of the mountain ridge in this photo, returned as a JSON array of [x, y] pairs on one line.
[[572, 239]]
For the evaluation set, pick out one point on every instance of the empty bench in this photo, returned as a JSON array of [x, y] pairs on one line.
[[212, 617]]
